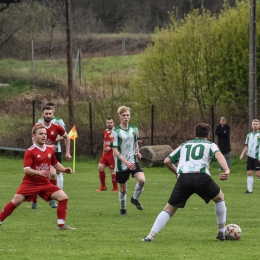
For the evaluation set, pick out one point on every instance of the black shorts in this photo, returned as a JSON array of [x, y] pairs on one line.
[[189, 183], [58, 156], [123, 177], [252, 164]]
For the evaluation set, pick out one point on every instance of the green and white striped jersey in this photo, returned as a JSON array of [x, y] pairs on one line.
[[60, 122], [194, 156], [124, 141], [253, 144]]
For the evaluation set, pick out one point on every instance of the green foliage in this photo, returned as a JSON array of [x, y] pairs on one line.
[[197, 62], [103, 234]]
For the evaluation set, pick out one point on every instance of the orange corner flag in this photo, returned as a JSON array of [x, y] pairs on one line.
[[73, 133]]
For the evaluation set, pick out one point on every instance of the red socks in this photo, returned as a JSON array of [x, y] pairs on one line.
[[7, 210], [113, 177], [62, 209], [102, 177]]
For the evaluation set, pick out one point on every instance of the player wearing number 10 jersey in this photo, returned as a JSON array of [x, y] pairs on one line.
[[193, 159]]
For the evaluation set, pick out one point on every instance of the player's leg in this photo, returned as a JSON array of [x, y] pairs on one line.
[[11, 206], [122, 178], [60, 178], [113, 179], [102, 174], [221, 212], [139, 187], [227, 156], [160, 222], [62, 199], [53, 180], [250, 180]]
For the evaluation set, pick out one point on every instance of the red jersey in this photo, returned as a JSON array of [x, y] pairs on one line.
[[38, 159], [107, 142], [53, 130]]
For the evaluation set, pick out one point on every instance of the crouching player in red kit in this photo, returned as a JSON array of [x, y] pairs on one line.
[[37, 162]]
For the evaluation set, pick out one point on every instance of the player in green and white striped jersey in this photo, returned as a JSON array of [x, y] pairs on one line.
[[252, 145], [194, 177], [124, 141]]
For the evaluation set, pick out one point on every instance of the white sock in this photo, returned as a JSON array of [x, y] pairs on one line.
[[122, 199], [60, 180], [250, 182], [221, 212], [159, 223], [138, 190]]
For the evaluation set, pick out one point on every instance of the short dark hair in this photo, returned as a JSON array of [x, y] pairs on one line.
[[50, 104], [110, 118], [46, 108], [202, 130]]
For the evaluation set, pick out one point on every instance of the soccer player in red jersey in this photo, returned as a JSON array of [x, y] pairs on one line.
[[53, 132], [107, 159], [38, 160]]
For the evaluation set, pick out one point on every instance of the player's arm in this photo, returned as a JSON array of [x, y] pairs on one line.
[[223, 163], [32, 172], [129, 165], [67, 144], [60, 168], [243, 153], [170, 165], [137, 153]]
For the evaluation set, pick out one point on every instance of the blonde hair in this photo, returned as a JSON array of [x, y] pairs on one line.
[[123, 109], [35, 128], [255, 120]]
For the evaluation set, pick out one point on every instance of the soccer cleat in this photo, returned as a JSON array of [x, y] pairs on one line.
[[102, 189], [220, 236], [146, 239], [122, 212], [34, 205], [115, 189], [137, 204], [53, 204], [0, 222], [248, 191], [65, 227]]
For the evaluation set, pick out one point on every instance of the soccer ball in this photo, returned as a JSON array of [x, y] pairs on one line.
[[233, 232]]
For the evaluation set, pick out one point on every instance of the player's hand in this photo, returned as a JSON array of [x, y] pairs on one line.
[[131, 166], [45, 173], [53, 146], [68, 170], [138, 155], [68, 157], [223, 176], [241, 157]]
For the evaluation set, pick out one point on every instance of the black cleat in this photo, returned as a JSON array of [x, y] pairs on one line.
[[146, 239], [220, 236], [248, 191], [122, 212], [137, 204]]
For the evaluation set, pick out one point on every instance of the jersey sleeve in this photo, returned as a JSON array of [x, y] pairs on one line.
[[61, 131], [213, 149], [174, 156], [137, 135], [62, 124], [114, 139], [28, 159]]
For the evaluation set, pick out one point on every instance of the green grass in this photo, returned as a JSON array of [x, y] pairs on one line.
[[103, 234]]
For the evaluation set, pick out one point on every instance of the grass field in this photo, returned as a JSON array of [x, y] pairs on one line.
[[103, 234]]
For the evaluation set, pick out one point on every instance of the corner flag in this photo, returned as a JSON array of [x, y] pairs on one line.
[[73, 135]]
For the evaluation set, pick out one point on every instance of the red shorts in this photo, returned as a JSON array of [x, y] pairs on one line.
[[108, 161], [31, 190]]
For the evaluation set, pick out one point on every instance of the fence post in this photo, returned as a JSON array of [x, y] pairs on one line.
[[33, 112], [80, 68], [32, 65], [123, 46], [91, 129], [152, 123], [212, 122]]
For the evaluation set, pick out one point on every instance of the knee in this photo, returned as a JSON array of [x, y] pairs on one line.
[[141, 182]]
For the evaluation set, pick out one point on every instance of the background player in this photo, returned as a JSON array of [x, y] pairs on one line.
[[107, 159], [124, 141], [53, 130]]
